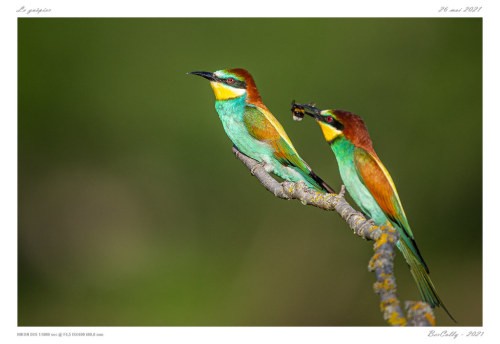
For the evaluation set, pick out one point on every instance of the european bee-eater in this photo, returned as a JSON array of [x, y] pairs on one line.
[[370, 185], [254, 130]]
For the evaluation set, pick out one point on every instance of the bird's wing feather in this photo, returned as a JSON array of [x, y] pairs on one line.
[[263, 126], [378, 181]]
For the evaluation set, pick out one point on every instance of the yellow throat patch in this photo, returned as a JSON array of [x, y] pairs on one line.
[[224, 92], [329, 132]]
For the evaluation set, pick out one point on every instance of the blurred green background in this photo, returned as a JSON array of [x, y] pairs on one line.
[[133, 210]]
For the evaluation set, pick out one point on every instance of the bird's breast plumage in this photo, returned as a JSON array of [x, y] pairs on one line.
[[232, 116], [344, 152]]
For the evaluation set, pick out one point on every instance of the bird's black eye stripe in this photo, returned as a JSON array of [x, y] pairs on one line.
[[233, 82], [333, 122], [337, 125], [236, 83]]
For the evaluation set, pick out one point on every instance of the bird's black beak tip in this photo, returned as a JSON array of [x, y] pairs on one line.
[[206, 75], [299, 110]]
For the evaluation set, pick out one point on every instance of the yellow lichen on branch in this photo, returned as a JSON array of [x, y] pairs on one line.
[[381, 264], [421, 313]]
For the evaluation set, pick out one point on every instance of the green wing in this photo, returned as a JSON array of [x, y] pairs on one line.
[[262, 125]]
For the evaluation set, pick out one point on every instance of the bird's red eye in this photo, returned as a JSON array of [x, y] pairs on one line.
[[230, 81], [329, 119]]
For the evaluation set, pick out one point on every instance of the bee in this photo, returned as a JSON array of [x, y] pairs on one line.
[[298, 110]]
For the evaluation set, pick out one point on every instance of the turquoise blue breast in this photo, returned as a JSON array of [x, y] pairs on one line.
[[231, 113], [344, 152]]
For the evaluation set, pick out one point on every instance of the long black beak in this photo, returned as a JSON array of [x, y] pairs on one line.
[[299, 110], [206, 75]]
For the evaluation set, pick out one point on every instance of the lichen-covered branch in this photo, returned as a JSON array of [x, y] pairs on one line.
[[381, 263], [420, 314], [288, 190]]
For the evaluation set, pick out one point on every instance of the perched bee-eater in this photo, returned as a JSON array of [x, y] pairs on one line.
[[253, 129], [370, 185]]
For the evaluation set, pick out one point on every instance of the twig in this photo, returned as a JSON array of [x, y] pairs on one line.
[[381, 263]]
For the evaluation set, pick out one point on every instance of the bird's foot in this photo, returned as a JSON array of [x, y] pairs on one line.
[[342, 191], [261, 164], [370, 222], [340, 195]]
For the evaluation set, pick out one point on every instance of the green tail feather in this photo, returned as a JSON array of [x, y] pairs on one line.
[[426, 288]]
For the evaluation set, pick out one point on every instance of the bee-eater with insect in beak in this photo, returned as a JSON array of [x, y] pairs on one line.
[[370, 185], [254, 130]]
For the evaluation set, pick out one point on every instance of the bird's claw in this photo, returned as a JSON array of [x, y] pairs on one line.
[[261, 164], [342, 191], [370, 222]]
